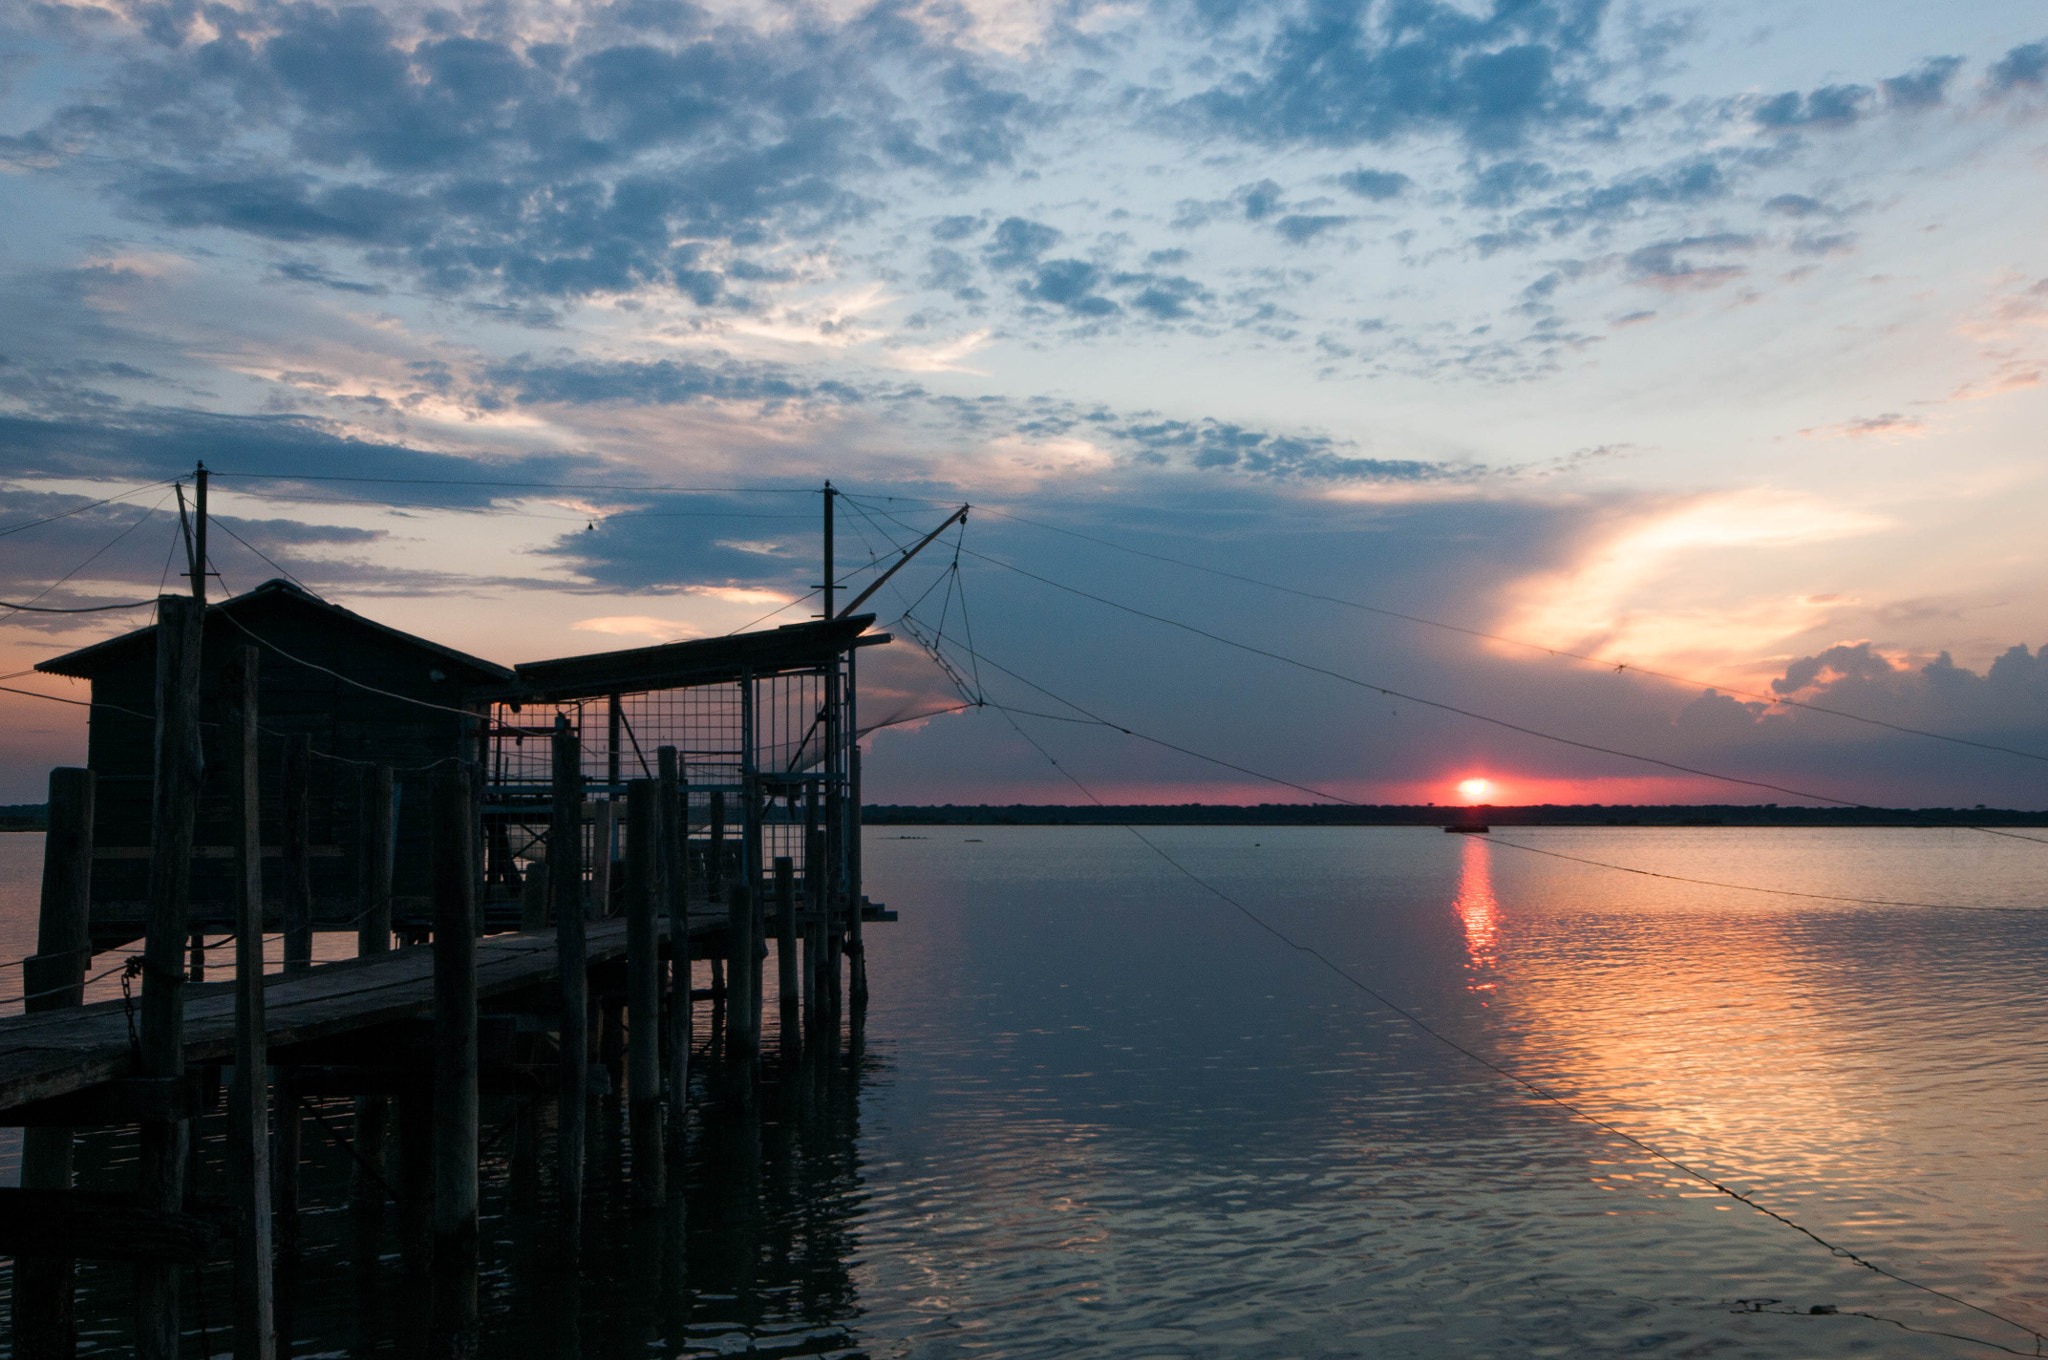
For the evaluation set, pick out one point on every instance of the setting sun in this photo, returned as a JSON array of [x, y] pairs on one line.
[[1476, 788]]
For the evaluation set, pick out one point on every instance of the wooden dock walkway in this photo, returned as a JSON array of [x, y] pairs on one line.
[[49, 1054]]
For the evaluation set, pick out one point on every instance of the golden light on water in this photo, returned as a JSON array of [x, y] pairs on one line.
[[1479, 911]]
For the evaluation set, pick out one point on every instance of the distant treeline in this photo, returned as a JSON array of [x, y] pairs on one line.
[[24, 817], [1546, 814]]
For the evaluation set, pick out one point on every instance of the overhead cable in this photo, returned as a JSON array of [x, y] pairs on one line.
[[1519, 642], [81, 509], [1093, 719]]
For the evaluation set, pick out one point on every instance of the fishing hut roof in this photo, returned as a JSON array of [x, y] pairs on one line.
[[268, 603], [702, 661]]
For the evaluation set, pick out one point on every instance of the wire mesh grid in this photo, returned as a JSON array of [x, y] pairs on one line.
[[780, 729]]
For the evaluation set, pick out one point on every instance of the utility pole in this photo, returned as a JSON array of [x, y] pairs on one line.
[[829, 494], [199, 534]]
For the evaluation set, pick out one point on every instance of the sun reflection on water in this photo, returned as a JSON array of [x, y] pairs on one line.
[[1480, 912]]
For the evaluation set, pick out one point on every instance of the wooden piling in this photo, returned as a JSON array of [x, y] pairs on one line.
[[454, 1325], [249, 1098], [787, 972], [160, 1182], [675, 864], [814, 911], [297, 833], [739, 975], [373, 936], [373, 922], [643, 989], [601, 837], [45, 1326], [565, 873], [856, 946]]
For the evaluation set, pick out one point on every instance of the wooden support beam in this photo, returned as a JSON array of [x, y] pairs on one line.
[[377, 850], [294, 775], [788, 987], [739, 949], [45, 1327], [248, 1101], [856, 945], [643, 991], [565, 865], [675, 870], [454, 1325], [814, 914], [125, 1100], [174, 800], [101, 1227]]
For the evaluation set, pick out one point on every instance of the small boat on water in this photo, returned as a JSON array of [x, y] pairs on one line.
[[1468, 830]]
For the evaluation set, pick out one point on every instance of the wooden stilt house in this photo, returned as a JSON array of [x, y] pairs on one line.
[[361, 693]]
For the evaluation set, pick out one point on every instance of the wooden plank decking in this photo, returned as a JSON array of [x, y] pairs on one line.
[[54, 1053]]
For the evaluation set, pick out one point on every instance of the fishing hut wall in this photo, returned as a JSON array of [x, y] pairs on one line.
[[763, 758]]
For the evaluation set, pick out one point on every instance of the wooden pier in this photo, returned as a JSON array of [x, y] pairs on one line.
[[547, 907]]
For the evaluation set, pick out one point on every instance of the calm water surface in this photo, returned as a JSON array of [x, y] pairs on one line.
[[1100, 1112]]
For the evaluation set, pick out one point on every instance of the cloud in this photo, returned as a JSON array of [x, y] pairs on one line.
[[637, 625], [1831, 106], [642, 151], [668, 382], [1377, 185], [1070, 284], [2025, 65], [1923, 88], [1673, 266], [1794, 205], [1341, 75], [1301, 228], [1018, 242], [1889, 427]]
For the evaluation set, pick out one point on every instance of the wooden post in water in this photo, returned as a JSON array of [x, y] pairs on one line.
[[814, 911], [788, 986], [739, 954], [249, 1098], [565, 873], [675, 878], [298, 854], [856, 946], [45, 1326], [454, 1328], [643, 989], [160, 1180], [373, 936]]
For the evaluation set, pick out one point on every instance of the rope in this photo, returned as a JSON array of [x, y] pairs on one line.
[[83, 609], [1543, 1093], [313, 665]]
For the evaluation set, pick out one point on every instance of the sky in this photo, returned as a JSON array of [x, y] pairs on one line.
[[1689, 359]]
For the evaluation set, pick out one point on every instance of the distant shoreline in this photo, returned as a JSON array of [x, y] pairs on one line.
[[33, 817], [1546, 814]]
